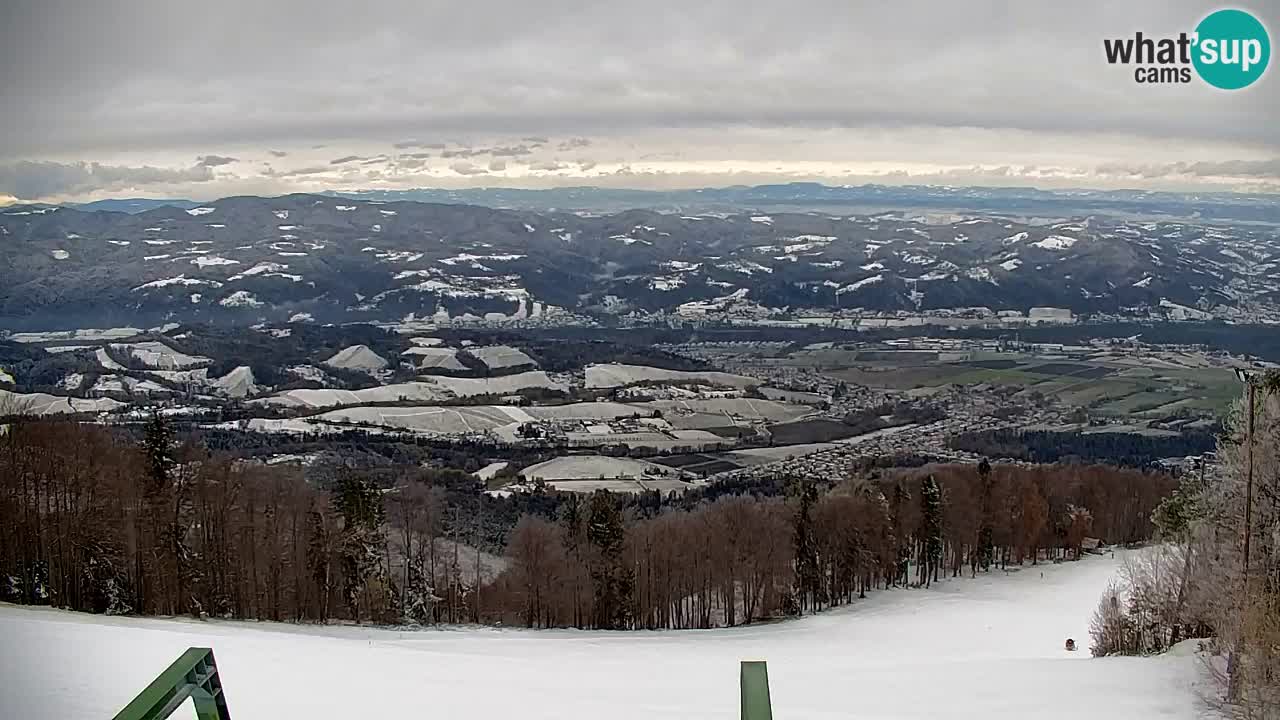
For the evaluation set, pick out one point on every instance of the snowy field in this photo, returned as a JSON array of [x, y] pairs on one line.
[[614, 375], [990, 649]]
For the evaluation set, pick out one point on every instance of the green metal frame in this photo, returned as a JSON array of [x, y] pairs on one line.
[[754, 683], [193, 675]]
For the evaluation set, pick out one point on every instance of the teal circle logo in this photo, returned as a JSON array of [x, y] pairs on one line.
[[1232, 49]]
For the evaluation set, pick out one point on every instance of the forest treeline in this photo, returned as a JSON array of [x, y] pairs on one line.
[[1115, 448], [95, 520]]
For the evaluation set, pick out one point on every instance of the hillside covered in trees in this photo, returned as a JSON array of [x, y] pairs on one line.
[[1116, 448], [98, 521]]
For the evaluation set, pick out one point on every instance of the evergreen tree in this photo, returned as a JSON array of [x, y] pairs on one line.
[[156, 531], [930, 529], [158, 446], [320, 562], [901, 497], [808, 576], [571, 518], [611, 580], [361, 544], [986, 544]]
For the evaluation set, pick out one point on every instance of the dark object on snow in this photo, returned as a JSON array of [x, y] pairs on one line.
[[1071, 645]]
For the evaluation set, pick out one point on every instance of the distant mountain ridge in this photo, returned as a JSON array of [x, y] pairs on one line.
[[1017, 201], [245, 260]]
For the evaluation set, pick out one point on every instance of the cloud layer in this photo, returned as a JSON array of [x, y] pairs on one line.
[[531, 93]]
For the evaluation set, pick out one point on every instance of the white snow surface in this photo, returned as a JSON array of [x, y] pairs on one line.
[[989, 648], [1056, 242], [357, 357], [612, 375], [238, 383]]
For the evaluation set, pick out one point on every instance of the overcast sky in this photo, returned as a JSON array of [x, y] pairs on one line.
[[178, 99]]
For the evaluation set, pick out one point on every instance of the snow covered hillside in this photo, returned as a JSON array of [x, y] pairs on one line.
[[990, 648]]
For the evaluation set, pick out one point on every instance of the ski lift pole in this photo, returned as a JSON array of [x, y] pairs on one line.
[[193, 675], [754, 684]]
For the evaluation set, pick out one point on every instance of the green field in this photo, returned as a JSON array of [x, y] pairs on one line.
[[1105, 389]]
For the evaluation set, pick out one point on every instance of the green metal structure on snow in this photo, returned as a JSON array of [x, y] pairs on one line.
[[754, 684], [193, 675]]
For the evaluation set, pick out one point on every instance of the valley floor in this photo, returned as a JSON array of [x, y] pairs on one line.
[[985, 648]]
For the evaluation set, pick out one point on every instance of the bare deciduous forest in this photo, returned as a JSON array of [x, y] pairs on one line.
[[95, 521]]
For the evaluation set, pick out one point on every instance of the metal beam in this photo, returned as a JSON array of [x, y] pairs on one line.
[[754, 684], [193, 675]]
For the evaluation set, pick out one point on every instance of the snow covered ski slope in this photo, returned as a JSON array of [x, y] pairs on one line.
[[990, 648]]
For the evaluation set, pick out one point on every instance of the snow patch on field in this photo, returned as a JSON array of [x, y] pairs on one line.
[[435, 389], [212, 261], [614, 375], [500, 356], [60, 254], [238, 383], [173, 281], [1056, 242], [153, 355], [45, 404], [240, 298], [746, 268], [357, 357], [266, 269], [430, 359], [861, 283]]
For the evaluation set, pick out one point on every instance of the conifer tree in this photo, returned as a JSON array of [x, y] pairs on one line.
[[612, 581], [986, 545], [361, 543], [930, 529], [808, 577]]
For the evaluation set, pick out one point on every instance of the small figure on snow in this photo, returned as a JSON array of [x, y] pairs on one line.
[[1071, 645]]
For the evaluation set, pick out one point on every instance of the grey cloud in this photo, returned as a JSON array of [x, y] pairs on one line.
[[215, 160], [35, 180], [497, 151], [466, 168], [278, 153], [548, 166], [417, 155], [346, 159], [535, 140], [1041, 68], [1225, 168], [406, 144], [574, 143], [586, 165], [497, 165], [299, 172]]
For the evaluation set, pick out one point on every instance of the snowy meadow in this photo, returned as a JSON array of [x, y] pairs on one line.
[[991, 647]]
